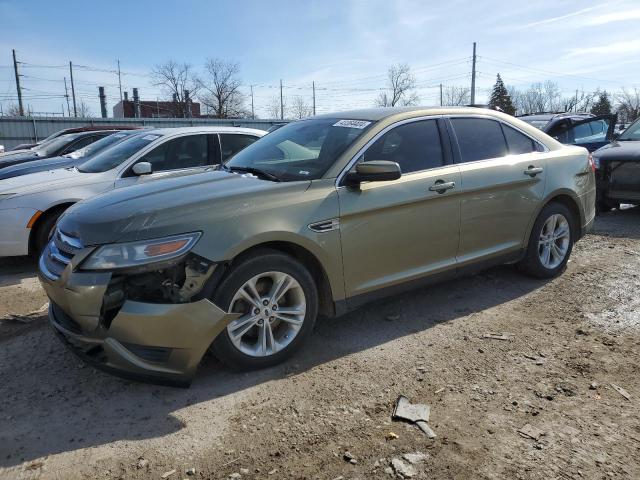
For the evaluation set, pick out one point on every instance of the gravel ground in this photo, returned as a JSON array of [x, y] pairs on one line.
[[539, 404]]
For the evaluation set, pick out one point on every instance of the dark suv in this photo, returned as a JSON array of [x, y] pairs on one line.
[[582, 129]]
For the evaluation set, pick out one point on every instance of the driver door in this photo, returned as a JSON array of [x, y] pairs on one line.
[[184, 155], [405, 229]]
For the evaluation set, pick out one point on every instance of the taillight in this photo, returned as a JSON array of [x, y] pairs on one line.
[[592, 163]]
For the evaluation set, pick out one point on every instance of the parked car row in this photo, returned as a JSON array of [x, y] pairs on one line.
[[226, 241]]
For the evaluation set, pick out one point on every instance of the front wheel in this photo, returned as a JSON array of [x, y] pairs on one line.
[[277, 300], [551, 242]]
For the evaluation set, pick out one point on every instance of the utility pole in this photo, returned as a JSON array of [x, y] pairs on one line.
[[253, 113], [119, 80], [66, 95], [440, 94], [473, 76], [15, 69], [103, 102], [73, 91], [281, 102], [313, 84]]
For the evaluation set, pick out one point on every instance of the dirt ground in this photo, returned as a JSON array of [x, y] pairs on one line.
[[568, 341]]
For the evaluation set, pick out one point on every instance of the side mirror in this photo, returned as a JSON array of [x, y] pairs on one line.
[[374, 171], [142, 168]]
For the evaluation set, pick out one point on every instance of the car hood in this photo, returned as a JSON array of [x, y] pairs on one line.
[[12, 159], [172, 206], [619, 151], [38, 166], [38, 181]]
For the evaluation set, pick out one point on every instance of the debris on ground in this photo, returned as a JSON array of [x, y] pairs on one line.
[[142, 463], [403, 468], [191, 471], [415, 458], [168, 474], [415, 413], [529, 431], [34, 466], [497, 336], [350, 458], [621, 391], [391, 436], [593, 386]]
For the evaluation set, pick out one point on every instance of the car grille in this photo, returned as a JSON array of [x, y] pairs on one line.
[[58, 253]]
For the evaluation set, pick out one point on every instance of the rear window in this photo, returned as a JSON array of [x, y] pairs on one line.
[[518, 142], [479, 139]]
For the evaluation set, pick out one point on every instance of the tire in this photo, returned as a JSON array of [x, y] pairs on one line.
[[43, 231], [533, 264], [264, 270]]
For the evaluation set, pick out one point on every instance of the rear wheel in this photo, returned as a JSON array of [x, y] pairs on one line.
[[551, 242], [277, 300]]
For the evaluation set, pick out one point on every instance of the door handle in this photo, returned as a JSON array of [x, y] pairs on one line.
[[441, 186], [533, 171]]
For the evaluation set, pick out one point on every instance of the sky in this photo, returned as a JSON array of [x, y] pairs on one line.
[[344, 46]]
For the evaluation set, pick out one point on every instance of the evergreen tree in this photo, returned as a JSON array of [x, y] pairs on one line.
[[602, 105], [500, 98]]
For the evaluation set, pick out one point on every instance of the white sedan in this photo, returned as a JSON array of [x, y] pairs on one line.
[[31, 204]]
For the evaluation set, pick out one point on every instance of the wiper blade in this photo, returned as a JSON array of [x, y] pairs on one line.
[[254, 171]]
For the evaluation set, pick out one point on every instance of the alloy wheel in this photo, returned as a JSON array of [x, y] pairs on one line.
[[273, 309], [553, 244]]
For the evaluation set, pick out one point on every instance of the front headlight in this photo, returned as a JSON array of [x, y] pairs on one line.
[[133, 254]]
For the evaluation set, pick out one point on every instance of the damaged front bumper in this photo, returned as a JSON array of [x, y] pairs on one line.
[[157, 342]]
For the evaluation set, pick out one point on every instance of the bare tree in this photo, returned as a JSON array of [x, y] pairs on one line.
[[453, 95], [84, 110], [628, 104], [273, 107], [300, 108], [13, 110], [174, 78], [547, 97], [221, 89], [401, 86]]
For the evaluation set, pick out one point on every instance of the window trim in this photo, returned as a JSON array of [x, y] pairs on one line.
[[447, 154], [456, 145]]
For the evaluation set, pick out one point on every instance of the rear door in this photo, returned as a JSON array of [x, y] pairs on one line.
[[590, 133], [502, 183]]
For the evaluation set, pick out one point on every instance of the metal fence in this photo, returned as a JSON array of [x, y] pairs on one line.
[[16, 130]]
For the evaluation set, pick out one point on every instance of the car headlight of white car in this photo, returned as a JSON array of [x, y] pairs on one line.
[[134, 254]]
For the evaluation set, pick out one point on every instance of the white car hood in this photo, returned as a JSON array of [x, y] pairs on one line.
[[40, 180]]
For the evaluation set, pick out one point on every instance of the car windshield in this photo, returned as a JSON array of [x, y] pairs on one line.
[[99, 145], [632, 132], [118, 153], [302, 150], [52, 146]]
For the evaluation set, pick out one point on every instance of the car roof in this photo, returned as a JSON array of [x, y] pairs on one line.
[[552, 115], [204, 128], [380, 113]]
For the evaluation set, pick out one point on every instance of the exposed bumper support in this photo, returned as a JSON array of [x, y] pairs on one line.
[[161, 343]]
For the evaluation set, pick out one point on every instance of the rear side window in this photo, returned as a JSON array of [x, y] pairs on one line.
[[479, 139], [232, 143], [518, 142], [414, 146]]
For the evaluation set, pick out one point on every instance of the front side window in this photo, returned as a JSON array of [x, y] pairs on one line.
[[302, 150], [518, 142], [415, 146], [479, 139], [183, 152], [232, 143]]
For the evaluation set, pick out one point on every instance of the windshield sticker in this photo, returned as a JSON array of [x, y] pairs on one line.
[[359, 124], [150, 137]]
